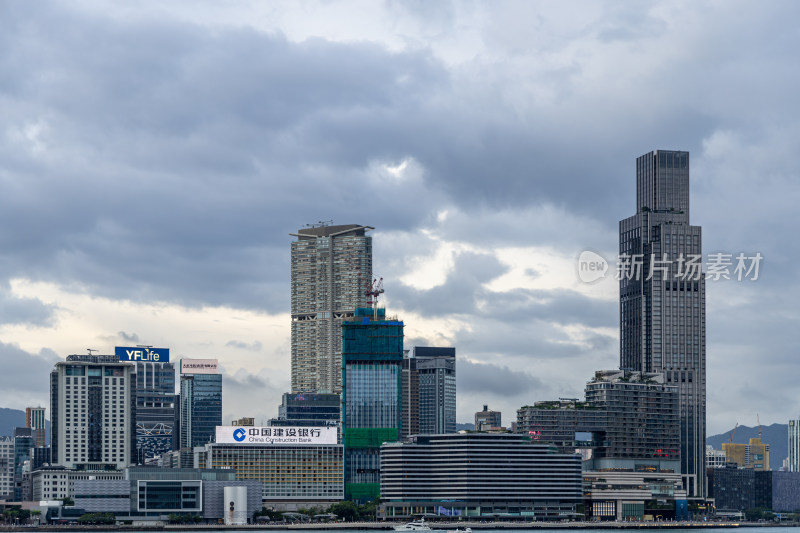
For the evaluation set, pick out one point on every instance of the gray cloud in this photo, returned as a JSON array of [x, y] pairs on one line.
[[251, 346], [25, 378], [475, 378], [151, 158], [30, 311], [133, 337]]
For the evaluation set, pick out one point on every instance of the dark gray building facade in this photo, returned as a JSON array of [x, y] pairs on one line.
[[629, 420], [662, 298], [156, 404], [429, 390]]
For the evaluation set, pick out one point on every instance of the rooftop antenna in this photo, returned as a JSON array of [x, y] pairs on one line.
[[320, 224]]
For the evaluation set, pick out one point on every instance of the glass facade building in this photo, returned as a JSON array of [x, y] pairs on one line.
[[662, 298], [372, 348], [331, 267], [429, 391], [23, 442], [308, 409], [200, 408], [155, 409]]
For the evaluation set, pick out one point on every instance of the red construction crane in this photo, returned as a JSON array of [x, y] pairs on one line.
[[374, 290]]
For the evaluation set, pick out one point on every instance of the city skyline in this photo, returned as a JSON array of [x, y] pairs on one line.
[[151, 173]]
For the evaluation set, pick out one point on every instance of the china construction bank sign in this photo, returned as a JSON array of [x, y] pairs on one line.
[[275, 435]]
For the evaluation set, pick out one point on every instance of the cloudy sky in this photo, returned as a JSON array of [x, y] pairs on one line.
[[155, 156]]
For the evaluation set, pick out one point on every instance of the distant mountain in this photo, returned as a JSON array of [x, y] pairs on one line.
[[776, 435], [15, 418], [465, 426]]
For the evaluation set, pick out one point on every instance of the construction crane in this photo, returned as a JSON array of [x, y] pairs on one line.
[[730, 439], [374, 290]]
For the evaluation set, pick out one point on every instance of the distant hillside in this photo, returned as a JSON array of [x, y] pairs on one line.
[[776, 435], [15, 418], [465, 426]]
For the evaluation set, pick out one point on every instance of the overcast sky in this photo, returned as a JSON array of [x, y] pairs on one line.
[[154, 157]]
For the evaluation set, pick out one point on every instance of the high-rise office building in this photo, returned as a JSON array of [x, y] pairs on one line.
[[155, 399], [7, 468], [794, 446], [308, 409], [92, 410], [662, 298], [23, 442], [201, 402], [34, 419], [372, 346], [429, 391], [331, 271]]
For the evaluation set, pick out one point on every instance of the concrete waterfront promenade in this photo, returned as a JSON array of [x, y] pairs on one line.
[[388, 526]]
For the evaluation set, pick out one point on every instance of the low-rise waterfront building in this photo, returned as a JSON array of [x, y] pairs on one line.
[[58, 482], [478, 475], [151, 493]]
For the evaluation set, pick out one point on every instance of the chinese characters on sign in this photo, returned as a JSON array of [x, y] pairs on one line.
[[689, 267], [276, 435], [198, 366]]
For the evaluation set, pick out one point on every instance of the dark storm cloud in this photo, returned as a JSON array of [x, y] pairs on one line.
[[31, 311], [150, 159], [163, 163], [159, 161], [478, 378], [24, 380]]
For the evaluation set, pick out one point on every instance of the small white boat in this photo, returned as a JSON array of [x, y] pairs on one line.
[[418, 525]]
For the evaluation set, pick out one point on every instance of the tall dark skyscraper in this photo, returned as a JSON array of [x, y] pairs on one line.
[[429, 391], [200, 403], [662, 298], [331, 269]]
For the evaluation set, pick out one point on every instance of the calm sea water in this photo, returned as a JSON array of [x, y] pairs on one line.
[[770, 529]]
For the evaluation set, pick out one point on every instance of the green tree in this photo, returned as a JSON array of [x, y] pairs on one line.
[[345, 510], [367, 511]]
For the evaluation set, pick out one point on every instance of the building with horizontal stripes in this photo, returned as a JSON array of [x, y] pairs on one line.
[[291, 476], [479, 475]]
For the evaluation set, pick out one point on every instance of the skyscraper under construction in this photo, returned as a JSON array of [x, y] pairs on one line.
[[331, 268]]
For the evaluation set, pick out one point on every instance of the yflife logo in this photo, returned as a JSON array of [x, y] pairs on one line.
[[239, 435]]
